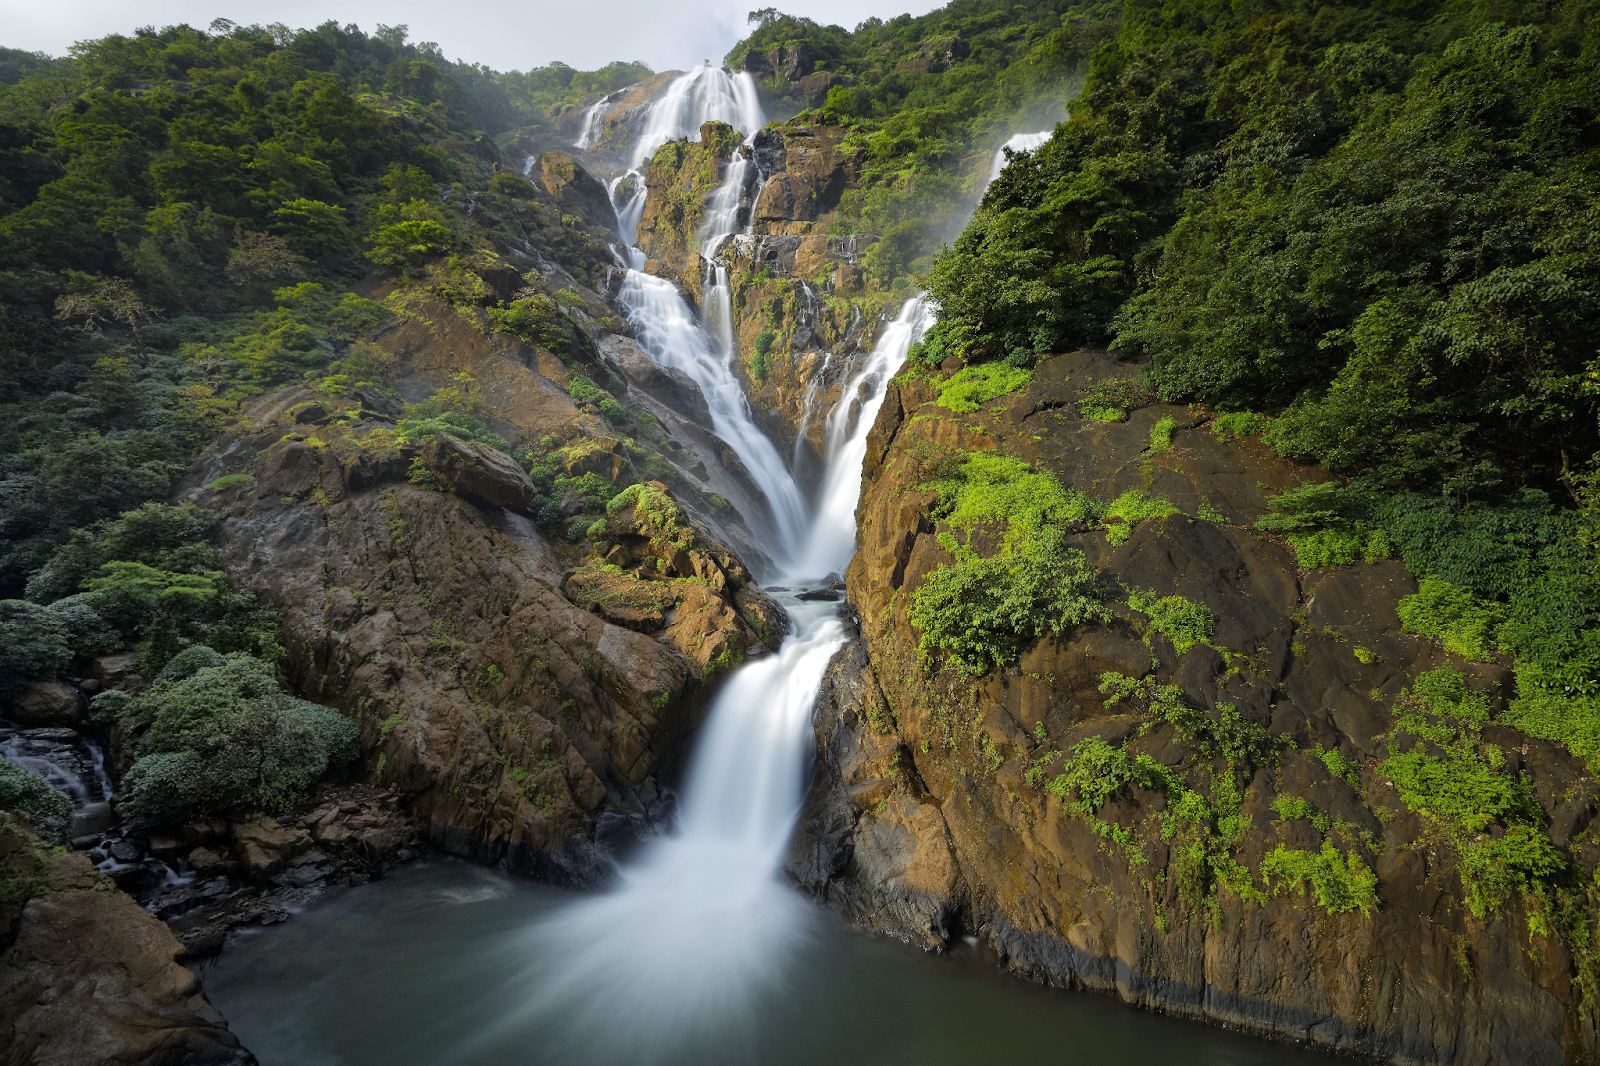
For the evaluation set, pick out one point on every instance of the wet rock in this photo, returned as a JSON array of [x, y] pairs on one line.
[[46, 704]]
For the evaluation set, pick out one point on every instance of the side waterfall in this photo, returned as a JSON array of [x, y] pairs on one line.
[[1020, 142]]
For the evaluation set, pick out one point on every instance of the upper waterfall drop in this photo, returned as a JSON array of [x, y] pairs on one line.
[[705, 94]]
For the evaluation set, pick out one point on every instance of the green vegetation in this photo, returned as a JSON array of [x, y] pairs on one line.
[[216, 734], [977, 610], [48, 811], [926, 93], [1339, 883], [970, 387], [1181, 621], [585, 391], [1465, 794]]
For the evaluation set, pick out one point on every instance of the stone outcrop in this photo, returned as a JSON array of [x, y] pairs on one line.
[[88, 976], [477, 471], [681, 175], [929, 814], [656, 574], [520, 727], [808, 168]]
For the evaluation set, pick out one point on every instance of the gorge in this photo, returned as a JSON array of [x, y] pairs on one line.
[[844, 552]]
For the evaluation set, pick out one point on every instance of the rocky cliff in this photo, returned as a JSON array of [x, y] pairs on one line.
[[1189, 799]]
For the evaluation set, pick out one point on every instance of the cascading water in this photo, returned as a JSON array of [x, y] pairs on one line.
[[667, 329], [1021, 142], [701, 928], [705, 94], [663, 322], [589, 132], [833, 531]]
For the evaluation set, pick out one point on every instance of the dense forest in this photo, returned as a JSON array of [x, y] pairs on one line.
[[183, 214]]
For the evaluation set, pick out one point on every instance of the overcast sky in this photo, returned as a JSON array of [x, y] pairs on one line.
[[666, 34]]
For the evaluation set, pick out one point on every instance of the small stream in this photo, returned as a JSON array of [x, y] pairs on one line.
[[433, 965]]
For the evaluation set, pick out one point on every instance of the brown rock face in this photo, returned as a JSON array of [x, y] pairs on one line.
[[90, 977], [811, 169], [519, 726], [658, 574], [478, 471], [929, 815]]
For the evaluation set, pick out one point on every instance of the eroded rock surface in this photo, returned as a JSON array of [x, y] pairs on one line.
[[88, 976]]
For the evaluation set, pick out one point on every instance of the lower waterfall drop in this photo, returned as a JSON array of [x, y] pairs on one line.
[[702, 926]]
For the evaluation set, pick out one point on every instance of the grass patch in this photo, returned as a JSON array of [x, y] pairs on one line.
[[970, 387]]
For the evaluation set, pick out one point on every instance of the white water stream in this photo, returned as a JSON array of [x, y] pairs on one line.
[[701, 926], [1020, 142]]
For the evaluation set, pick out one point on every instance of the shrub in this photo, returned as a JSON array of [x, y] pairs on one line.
[[406, 245], [1464, 793], [977, 611], [1135, 506], [47, 809], [1231, 425], [1463, 624], [1181, 621], [1339, 883], [1339, 547], [225, 737], [970, 387]]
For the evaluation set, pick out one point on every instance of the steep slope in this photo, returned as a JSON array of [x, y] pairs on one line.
[[1203, 797]]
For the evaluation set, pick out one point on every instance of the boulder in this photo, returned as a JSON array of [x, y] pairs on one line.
[[668, 384], [91, 977], [478, 471], [48, 703]]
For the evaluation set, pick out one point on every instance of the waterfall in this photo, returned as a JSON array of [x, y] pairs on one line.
[[667, 329], [589, 132], [1021, 142], [705, 94], [832, 540], [663, 322], [701, 927]]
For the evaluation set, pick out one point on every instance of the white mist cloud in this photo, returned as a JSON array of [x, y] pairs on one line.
[[666, 34]]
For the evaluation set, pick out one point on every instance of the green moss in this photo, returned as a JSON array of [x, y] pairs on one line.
[[583, 390], [970, 387], [1161, 436], [1339, 883], [228, 481]]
